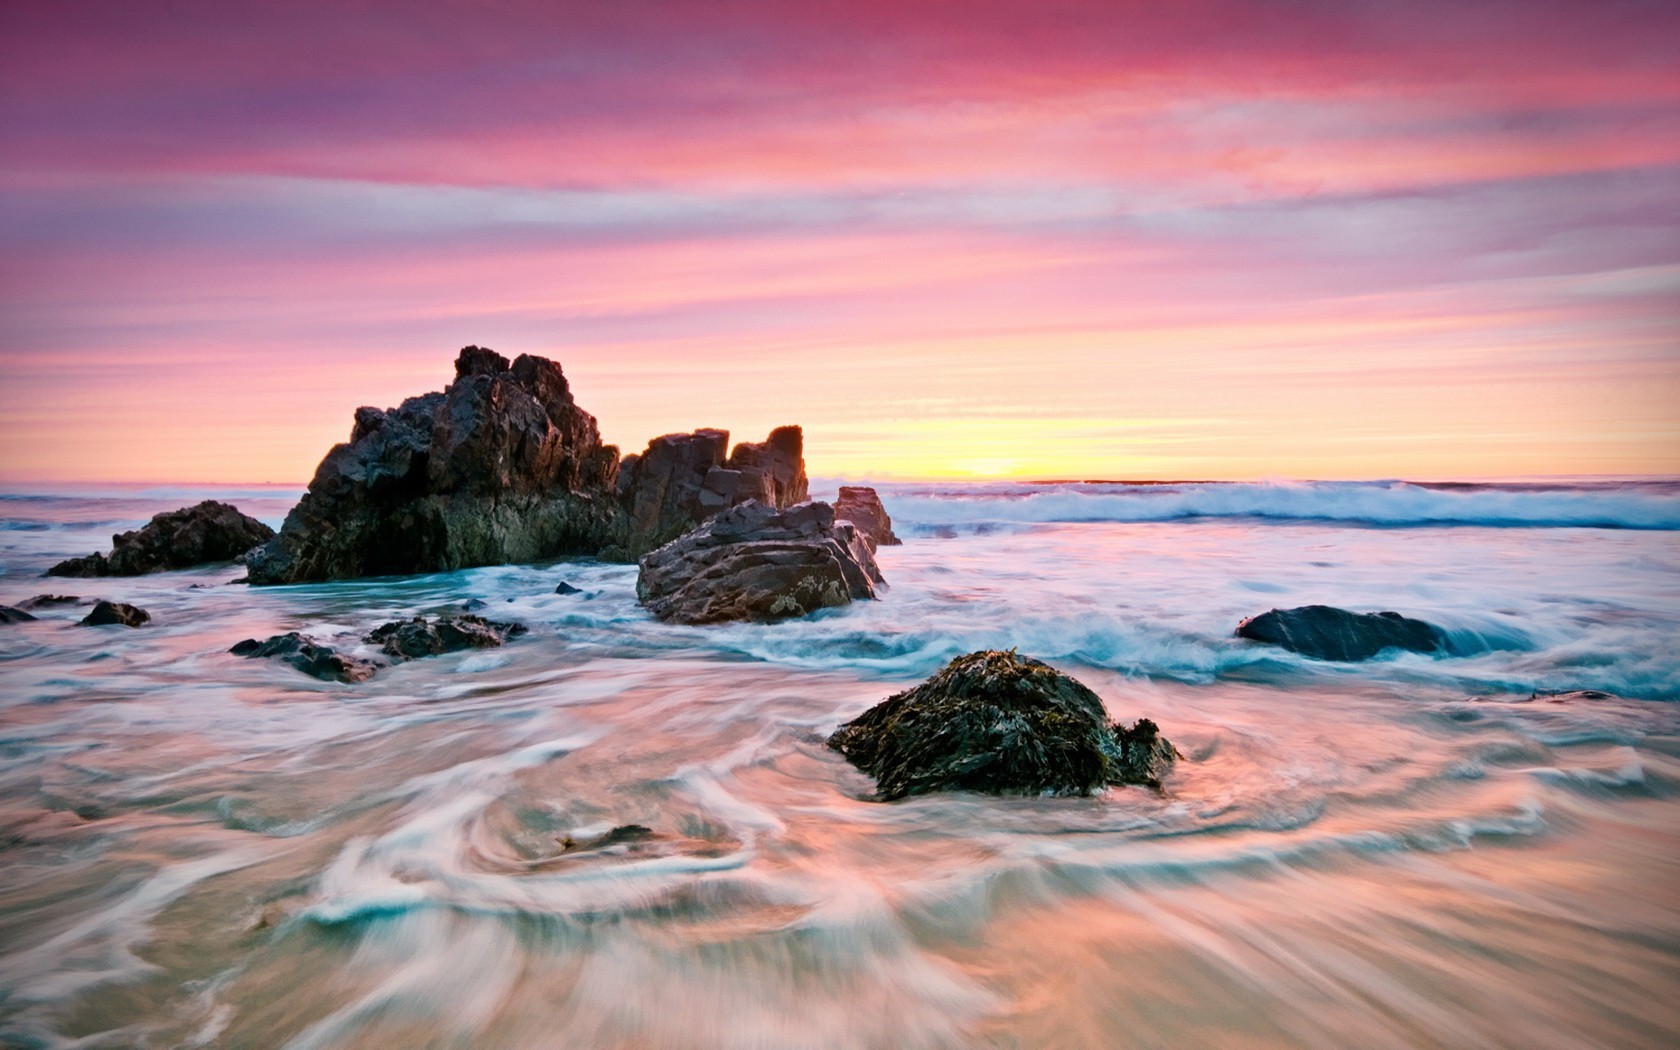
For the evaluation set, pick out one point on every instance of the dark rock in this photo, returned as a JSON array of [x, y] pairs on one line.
[[474, 604], [502, 466], [626, 833], [683, 479], [566, 588], [308, 656], [178, 539], [115, 612], [861, 506], [47, 601], [412, 639], [1000, 723], [1570, 695], [754, 562], [1336, 634], [10, 614]]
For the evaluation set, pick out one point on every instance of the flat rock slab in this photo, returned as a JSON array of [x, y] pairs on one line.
[[1329, 633], [309, 656], [115, 613], [419, 637], [1000, 723]]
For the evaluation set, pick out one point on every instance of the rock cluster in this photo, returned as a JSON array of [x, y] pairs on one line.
[[122, 613], [178, 539], [683, 479], [1000, 723], [1329, 633], [754, 562], [861, 506], [309, 656], [412, 639]]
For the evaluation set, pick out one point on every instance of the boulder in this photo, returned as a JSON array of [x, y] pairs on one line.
[[1329, 633], [308, 656], [1000, 723], [178, 539], [11, 614], [755, 562], [861, 506], [501, 466], [115, 613], [566, 588], [412, 639], [683, 479]]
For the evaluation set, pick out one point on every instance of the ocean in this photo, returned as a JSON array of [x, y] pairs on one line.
[[198, 849]]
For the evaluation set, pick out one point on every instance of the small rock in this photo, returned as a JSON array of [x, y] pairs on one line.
[[11, 614], [115, 612], [47, 601], [1329, 633], [1568, 695], [412, 639], [566, 588], [308, 656]]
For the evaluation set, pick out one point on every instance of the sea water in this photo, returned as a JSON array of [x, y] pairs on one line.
[[198, 849]]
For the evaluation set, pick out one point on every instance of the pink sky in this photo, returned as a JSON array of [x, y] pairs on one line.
[[1096, 239]]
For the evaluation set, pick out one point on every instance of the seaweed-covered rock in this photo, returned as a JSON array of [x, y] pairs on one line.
[[1330, 633], [178, 539], [309, 656], [1000, 723], [683, 479], [412, 639], [11, 614], [861, 506], [754, 562]]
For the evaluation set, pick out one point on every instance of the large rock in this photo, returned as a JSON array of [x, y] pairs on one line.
[[309, 656], [412, 639], [861, 506], [1000, 723], [754, 562], [502, 466], [178, 539], [109, 613], [683, 479], [1330, 633]]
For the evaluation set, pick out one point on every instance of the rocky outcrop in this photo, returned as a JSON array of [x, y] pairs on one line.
[[502, 466], [178, 539], [861, 506], [683, 479], [12, 614], [1330, 633], [412, 639], [755, 562], [1004, 724], [115, 613], [308, 656]]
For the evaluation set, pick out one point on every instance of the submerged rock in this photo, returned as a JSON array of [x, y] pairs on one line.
[[115, 613], [12, 614], [1001, 723], [683, 479], [48, 601], [308, 656], [754, 562], [861, 506], [178, 539], [412, 639], [1330, 633]]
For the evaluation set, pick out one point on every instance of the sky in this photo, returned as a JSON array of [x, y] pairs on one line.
[[1065, 238]]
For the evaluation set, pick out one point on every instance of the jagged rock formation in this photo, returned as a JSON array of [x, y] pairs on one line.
[[683, 479], [308, 656], [754, 562], [1000, 723], [412, 639], [115, 613], [1330, 633], [860, 505], [177, 539], [503, 466]]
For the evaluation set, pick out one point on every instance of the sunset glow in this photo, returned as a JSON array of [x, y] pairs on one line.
[[1216, 239]]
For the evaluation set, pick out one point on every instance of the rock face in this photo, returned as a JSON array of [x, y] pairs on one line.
[[412, 639], [1000, 723], [501, 466], [308, 656], [683, 479], [861, 506], [115, 612], [178, 539], [9, 614], [1330, 633], [754, 562]]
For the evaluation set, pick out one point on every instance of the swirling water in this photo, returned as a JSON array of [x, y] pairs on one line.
[[205, 850]]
